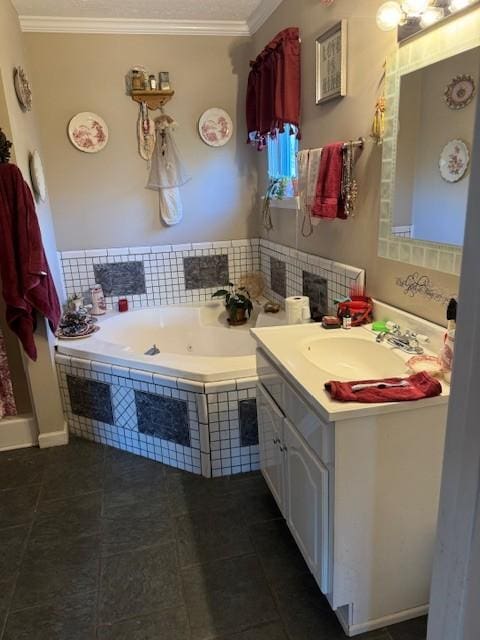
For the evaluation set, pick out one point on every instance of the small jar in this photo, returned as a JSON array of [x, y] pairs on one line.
[[123, 305], [137, 80], [152, 82]]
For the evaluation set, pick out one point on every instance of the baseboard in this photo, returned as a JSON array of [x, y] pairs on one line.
[[18, 432], [54, 438], [380, 623]]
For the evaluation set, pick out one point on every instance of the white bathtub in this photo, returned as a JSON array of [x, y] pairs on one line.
[[195, 342]]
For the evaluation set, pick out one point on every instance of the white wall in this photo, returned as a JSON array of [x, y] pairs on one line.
[[100, 200], [41, 375]]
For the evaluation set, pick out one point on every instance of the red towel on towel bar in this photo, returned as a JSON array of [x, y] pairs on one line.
[[420, 385], [328, 202], [27, 284]]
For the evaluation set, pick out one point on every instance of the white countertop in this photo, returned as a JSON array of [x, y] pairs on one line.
[[283, 345]]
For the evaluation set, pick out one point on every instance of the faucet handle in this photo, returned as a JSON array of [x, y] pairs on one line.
[[395, 328]]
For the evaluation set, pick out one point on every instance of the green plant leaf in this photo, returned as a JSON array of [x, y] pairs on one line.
[[220, 293]]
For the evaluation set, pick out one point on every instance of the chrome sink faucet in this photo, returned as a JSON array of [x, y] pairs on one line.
[[407, 341]]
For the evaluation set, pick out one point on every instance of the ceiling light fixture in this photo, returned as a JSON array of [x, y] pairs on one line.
[[424, 13], [389, 16], [458, 5], [415, 8], [431, 15]]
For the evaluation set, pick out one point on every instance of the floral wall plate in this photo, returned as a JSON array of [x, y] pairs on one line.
[[460, 92], [37, 176], [22, 88], [88, 132], [454, 160], [215, 127]]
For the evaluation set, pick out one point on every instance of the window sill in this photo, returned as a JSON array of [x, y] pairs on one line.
[[293, 204]]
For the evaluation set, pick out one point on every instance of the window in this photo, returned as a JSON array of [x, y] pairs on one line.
[[281, 151]]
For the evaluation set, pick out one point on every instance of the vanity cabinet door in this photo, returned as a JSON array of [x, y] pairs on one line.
[[270, 435], [307, 498]]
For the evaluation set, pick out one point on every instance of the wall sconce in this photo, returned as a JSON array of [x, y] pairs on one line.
[[416, 14]]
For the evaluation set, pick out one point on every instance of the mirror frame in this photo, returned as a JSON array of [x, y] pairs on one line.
[[449, 39]]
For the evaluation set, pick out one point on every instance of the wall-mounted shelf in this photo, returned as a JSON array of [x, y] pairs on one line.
[[153, 99]]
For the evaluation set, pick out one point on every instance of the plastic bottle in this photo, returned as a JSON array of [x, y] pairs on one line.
[[347, 319]]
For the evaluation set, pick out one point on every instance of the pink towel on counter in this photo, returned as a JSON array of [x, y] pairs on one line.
[[415, 387], [328, 202]]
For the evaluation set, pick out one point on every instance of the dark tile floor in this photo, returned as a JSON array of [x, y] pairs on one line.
[[97, 543]]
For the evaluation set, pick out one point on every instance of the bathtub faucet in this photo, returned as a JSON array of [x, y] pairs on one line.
[[153, 351]]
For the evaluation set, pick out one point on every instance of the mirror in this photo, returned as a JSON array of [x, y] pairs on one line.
[[435, 132], [432, 89]]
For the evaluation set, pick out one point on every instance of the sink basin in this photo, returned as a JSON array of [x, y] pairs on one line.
[[354, 358]]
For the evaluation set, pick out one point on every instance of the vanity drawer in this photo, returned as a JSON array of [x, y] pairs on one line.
[[317, 433]]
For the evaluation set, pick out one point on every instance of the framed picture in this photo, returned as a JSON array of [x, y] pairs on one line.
[[331, 56]]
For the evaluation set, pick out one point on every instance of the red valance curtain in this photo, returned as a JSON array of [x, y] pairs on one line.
[[273, 91]]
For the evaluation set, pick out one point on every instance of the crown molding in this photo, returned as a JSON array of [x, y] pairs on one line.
[[261, 14], [54, 24]]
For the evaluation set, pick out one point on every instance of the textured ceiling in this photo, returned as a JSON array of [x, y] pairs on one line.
[[141, 9]]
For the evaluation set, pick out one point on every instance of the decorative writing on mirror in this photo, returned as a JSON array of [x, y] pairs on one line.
[[427, 145], [421, 285]]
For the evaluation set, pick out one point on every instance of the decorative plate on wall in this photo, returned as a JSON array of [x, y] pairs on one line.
[[215, 127], [22, 88], [454, 160], [88, 132], [37, 176], [460, 92]]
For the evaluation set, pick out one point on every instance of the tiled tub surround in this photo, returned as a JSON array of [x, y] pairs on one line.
[[189, 273], [207, 429], [158, 275], [321, 280]]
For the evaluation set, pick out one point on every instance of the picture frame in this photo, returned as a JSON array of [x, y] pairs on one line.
[[331, 63]]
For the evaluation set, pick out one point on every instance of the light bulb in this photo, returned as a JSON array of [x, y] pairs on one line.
[[389, 16], [430, 16], [415, 7], [458, 5]]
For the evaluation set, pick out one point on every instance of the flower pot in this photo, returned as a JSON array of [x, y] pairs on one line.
[[237, 318]]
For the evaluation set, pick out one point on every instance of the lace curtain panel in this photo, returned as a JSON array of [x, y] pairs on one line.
[[7, 399]]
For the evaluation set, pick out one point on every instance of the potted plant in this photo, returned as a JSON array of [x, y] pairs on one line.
[[237, 303]]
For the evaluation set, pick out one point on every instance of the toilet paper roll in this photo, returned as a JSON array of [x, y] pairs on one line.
[[297, 309]]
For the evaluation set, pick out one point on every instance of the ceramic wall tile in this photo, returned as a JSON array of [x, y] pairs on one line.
[[248, 422], [206, 272], [316, 288], [90, 399], [166, 418], [278, 276], [121, 279]]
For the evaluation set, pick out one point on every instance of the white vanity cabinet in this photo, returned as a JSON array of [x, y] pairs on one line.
[[270, 437], [298, 480], [306, 482], [359, 494]]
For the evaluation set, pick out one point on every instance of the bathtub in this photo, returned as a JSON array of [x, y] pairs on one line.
[[192, 406], [195, 342]]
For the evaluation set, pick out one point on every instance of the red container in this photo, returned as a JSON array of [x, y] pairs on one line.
[[123, 304]]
